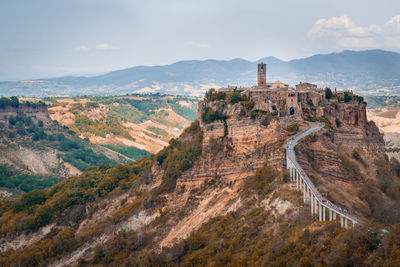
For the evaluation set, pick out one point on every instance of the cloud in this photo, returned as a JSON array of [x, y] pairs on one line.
[[82, 48], [341, 32], [198, 45], [105, 46]]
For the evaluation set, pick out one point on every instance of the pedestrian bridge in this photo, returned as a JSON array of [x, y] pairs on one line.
[[321, 209]]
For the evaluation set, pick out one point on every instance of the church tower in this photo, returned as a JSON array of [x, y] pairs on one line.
[[262, 74]]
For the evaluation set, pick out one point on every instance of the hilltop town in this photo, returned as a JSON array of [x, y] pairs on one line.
[[222, 190], [278, 97]]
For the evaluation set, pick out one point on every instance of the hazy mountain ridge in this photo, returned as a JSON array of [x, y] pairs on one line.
[[363, 71]]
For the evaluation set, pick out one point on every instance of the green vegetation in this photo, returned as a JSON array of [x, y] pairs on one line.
[[328, 93], [84, 125], [129, 113], [179, 156], [252, 236], [131, 152], [338, 122], [210, 115], [82, 158], [113, 111], [37, 208], [189, 113], [347, 97], [293, 128], [359, 99], [56, 243], [12, 101], [24, 182], [157, 130], [383, 101], [212, 95]]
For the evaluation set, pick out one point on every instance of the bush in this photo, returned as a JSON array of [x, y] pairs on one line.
[[12, 120], [338, 122], [209, 115], [293, 128], [328, 93], [179, 156], [12, 101], [131, 152], [39, 134], [212, 95], [347, 97], [248, 104]]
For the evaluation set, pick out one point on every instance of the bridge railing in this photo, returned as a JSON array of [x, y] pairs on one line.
[[291, 158]]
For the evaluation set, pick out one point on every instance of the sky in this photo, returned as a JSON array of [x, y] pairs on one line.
[[52, 38]]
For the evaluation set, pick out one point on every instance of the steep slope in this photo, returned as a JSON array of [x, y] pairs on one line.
[[217, 195], [369, 72], [133, 125], [384, 111], [35, 149]]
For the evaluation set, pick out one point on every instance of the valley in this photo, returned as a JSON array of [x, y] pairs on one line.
[[218, 193]]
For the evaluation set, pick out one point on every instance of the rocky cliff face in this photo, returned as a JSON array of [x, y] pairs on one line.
[[233, 148], [352, 113], [218, 166], [30, 142], [342, 157]]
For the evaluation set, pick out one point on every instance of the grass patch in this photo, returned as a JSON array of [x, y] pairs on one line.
[[129, 151]]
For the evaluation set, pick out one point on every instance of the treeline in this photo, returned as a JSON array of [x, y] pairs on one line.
[[9, 101], [24, 182], [13, 101], [67, 201], [131, 152], [74, 150]]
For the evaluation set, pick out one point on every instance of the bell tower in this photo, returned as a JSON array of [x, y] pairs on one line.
[[262, 74]]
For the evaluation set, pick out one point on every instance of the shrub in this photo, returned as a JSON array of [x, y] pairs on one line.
[[360, 99], [12, 101], [248, 104], [338, 122], [212, 95], [210, 115], [328, 93], [293, 128], [347, 97], [12, 120], [39, 134], [179, 156]]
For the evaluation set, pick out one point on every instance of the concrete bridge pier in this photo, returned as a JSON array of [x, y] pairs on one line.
[[320, 212], [312, 205], [323, 213], [315, 206]]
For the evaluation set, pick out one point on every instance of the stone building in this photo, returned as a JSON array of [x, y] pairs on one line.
[[280, 97]]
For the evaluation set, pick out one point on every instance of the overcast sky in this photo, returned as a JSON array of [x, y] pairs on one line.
[[49, 38]]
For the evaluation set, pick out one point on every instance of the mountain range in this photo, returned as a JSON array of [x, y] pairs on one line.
[[366, 72]]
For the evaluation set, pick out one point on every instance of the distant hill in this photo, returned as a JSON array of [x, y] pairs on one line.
[[134, 125], [367, 72], [36, 151]]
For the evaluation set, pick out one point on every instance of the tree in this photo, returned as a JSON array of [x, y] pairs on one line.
[[14, 101], [347, 97], [328, 93]]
